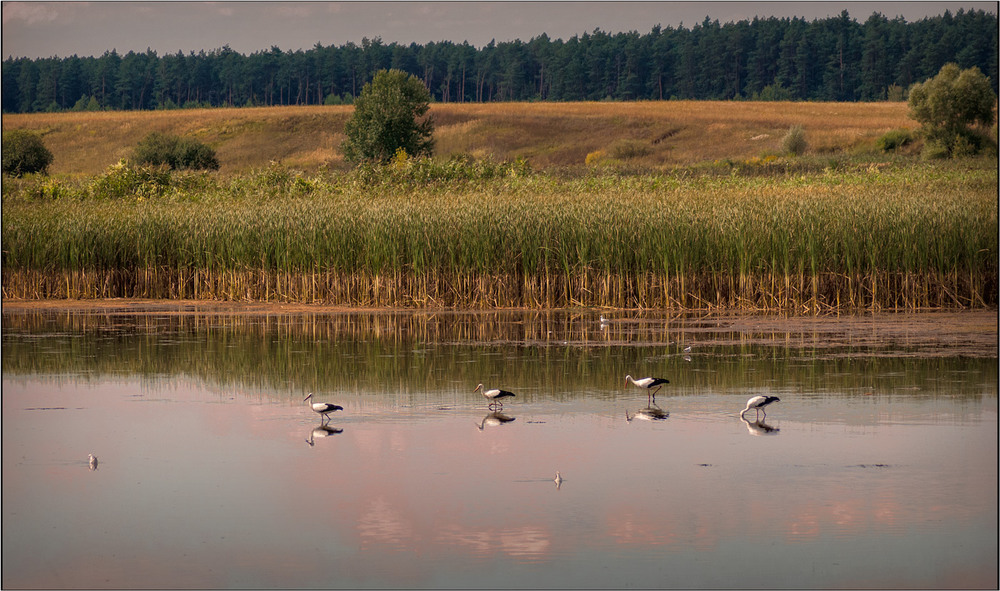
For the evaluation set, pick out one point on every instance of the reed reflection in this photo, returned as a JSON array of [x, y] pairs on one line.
[[375, 352]]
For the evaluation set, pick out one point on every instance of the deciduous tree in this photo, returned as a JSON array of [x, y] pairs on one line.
[[390, 114]]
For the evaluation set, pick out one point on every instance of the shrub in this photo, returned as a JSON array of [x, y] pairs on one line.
[[176, 152], [891, 140], [951, 105], [794, 141], [628, 149], [123, 180], [773, 92], [24, 153], [594, 158]]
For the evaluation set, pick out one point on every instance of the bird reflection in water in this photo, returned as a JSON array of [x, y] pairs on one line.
[[650, 413], [494, 419], [321, 432], [759, 427]]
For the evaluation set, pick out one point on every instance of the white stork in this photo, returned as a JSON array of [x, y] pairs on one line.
[[323, 408], [758, 403], [648, 384], [494, 396]]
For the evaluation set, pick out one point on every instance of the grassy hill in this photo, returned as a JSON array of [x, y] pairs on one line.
[[645, 134]]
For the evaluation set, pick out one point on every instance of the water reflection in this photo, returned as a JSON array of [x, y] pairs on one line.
[[894, 453], [494, 419], [376, 352], [321, 432], [759, 427], [652, 412]]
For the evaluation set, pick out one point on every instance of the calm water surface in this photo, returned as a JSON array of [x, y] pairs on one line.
[[878, 467]]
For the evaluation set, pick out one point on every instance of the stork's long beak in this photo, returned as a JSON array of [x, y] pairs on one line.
[[307, 397]]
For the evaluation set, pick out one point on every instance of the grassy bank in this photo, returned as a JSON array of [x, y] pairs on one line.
[[756, 235], [661, 134]]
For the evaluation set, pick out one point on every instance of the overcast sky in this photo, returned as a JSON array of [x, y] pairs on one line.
[[45, 29]]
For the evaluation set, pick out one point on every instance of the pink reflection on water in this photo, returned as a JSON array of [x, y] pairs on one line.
[[529, 543], [232, 483]]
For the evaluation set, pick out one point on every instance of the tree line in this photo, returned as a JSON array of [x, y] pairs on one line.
[[831, 59]]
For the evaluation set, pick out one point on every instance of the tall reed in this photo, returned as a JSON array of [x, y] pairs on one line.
[[909, 237]]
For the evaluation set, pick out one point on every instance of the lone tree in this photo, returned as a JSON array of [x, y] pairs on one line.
[[950, 105], [385, 119], [24, 153]]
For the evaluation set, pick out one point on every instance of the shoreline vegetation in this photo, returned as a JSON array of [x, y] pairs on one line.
[[846, 229]]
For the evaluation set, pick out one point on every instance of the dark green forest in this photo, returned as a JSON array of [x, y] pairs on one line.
[[832, 59]]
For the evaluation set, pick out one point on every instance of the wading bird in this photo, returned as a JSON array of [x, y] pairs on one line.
[[494, 396], [648, 384], [558, 479], [758, 403], [323, 408], [93, 461]]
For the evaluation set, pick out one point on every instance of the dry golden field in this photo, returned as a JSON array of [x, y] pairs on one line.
[[653, 134]]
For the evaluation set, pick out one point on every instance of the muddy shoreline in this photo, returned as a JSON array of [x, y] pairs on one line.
[[972, 333]]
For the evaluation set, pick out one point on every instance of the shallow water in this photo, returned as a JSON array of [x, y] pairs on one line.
[[878, 467]]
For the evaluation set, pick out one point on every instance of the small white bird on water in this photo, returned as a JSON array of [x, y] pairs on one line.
[[92, 459], [494, 396], [323, 408], [558, 479], [758, 403]]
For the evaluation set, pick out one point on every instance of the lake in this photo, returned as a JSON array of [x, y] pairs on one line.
[[876, 469]]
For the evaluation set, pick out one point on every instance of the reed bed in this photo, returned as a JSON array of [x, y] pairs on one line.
[[886, 238]]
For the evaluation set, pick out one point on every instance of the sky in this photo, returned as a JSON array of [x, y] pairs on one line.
[[61, 29]]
